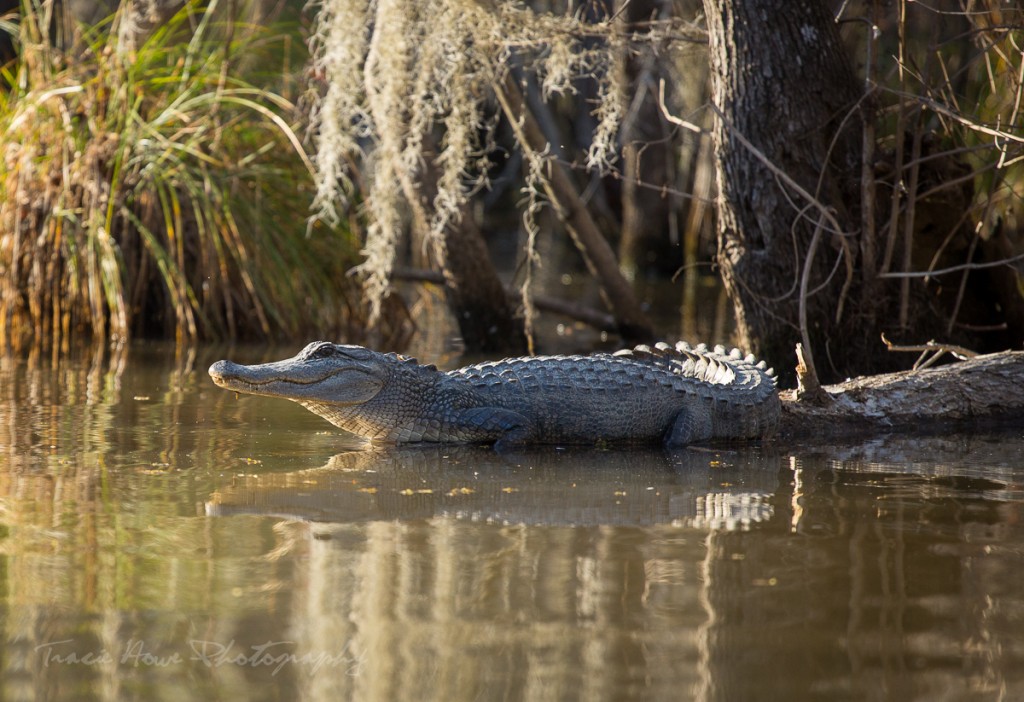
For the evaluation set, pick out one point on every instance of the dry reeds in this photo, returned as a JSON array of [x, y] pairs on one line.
[[158, 191]]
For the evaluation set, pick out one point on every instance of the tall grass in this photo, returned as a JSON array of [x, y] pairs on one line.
[[160, 191]]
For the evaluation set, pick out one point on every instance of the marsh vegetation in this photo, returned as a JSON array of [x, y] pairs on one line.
[[162, 189], [860, 174]]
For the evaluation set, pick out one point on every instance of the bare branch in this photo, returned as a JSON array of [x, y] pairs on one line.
[[954, 269], [935, 350], [955, 116], [671, 117]]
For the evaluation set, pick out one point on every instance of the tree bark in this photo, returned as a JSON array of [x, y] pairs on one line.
[[782, 84]]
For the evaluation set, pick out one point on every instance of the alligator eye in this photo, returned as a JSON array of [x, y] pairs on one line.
[[325, 351]]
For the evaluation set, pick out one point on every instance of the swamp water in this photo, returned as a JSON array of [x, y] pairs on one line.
[[161, 539]]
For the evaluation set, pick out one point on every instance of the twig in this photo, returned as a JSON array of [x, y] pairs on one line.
[[954, 269], [1016, 110], [671, 117], [869, 233], [941, 109], [958, 351], [781, 174], [618, 12], [908, 222], [970, 177], [962, 288], [632, 322], [807, 360]]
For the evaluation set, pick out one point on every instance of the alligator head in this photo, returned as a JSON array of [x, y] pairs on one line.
[[321, 372]]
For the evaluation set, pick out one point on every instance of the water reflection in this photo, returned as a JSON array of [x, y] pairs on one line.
[[543, 486], [159, 539]]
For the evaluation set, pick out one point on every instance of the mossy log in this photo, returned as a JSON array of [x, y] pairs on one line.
[[980, 391]]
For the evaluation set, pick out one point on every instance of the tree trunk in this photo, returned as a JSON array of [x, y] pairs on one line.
[[649, 241], [473, 290], [475, 294], [782, 84]]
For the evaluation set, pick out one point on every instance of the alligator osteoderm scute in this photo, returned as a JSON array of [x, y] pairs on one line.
[[679, 395]]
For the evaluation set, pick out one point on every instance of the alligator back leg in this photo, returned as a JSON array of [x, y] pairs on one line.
[[690, 426]]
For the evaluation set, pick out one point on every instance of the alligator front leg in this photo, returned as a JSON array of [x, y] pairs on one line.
[[504, 427]]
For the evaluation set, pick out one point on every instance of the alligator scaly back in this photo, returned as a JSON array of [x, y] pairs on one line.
[[679, 395]]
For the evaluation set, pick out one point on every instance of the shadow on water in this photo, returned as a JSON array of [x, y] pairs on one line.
[[161, 539]]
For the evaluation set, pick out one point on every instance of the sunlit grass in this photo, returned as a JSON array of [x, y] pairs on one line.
[[162, 191]]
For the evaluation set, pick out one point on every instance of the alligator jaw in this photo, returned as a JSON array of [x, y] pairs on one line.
[[345, 385], [232, 376]]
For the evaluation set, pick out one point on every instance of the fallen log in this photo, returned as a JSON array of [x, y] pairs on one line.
[[981, 391]]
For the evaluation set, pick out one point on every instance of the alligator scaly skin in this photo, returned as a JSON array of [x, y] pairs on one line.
[[678, 395]]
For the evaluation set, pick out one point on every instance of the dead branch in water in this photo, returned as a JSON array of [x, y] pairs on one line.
[[931, 352]]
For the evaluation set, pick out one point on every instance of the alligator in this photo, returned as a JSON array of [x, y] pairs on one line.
[[678, 395]]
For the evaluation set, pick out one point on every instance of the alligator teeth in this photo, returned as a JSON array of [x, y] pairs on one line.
[[720, 350]]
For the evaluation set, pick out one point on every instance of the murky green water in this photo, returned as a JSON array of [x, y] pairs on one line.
[[161, 539]]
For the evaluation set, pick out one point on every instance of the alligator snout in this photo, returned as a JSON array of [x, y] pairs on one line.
[[222, 371]]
